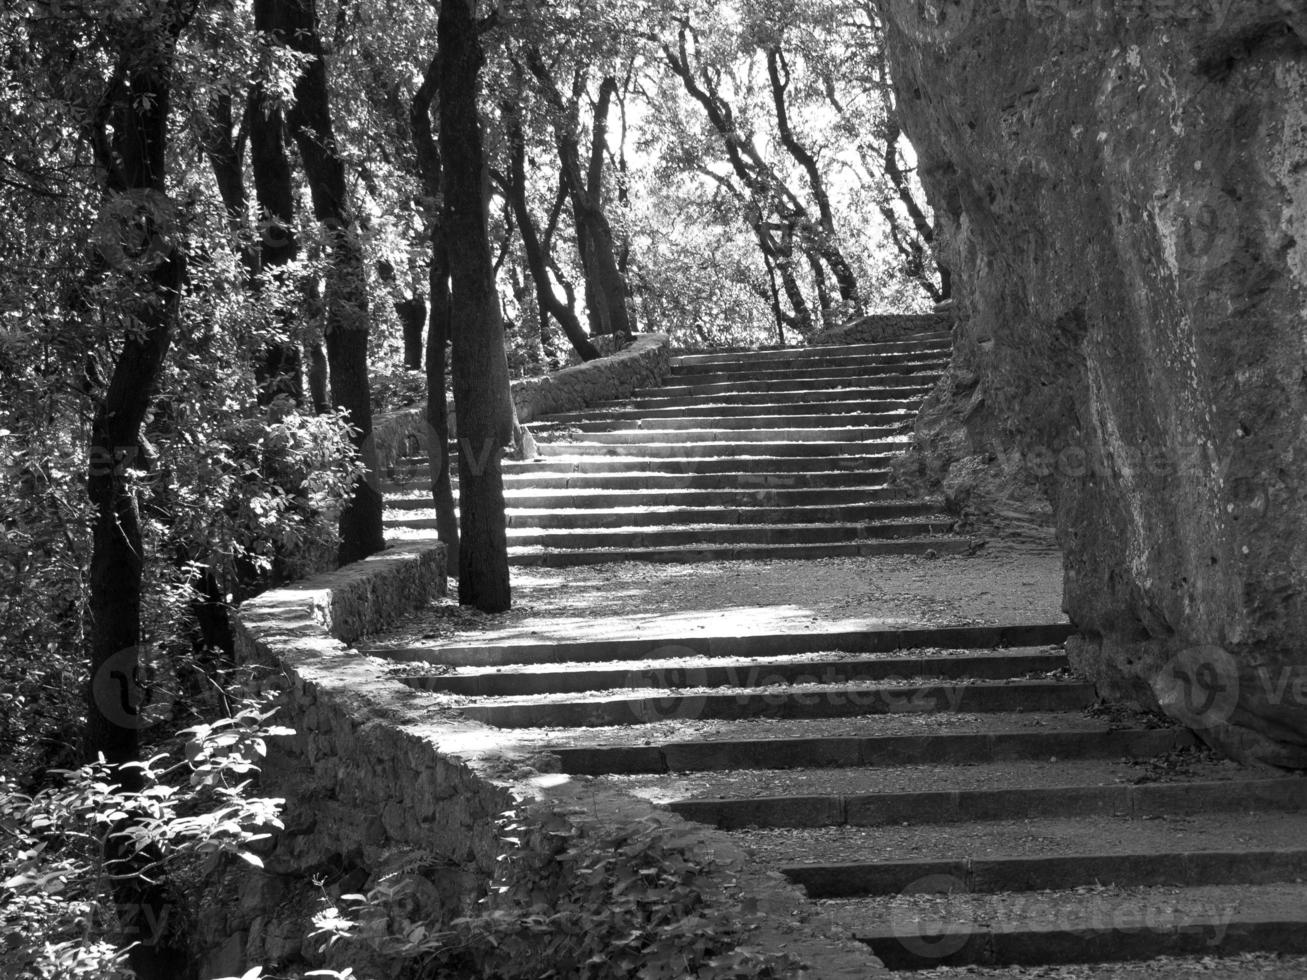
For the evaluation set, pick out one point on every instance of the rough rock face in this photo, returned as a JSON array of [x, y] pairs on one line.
[[1123, 186]]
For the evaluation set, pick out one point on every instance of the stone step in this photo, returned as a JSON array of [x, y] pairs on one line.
[[679, 671], [1075, 928], [833, 429], [610, 421], [814, 471], [917, 342], [888, 410], [1027, 854], [560, 496], [813, 358], [815, 701], [883, 386], [740, 646], [821, 375], [663, 517], [1134, 869], [880, 449], [1247, 965], [628, 537], [698, 553], [1064, 793], [739, 395], [551, 480], [998, 741]]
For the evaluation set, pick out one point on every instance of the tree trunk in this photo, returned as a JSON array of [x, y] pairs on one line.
[[439, 327], [130, 142], [346, 327], [278, 368], [481, 393], [605, 286], [778, 73], [515, 190]]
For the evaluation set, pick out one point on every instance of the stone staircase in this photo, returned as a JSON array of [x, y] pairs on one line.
[[950, 795], [954, 797], [764, 454]]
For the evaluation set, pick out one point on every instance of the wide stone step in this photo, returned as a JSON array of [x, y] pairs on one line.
[[817, 701], [697, 553], [637, 421], [829, 430], [661, 517], [739, 646], [882, 386], [1098, 928], [1070, 790], [887, 410], [931, 342], [560, 496], [1001, 739], [741, 395], [682, 367], [630, 537], [771, 471], [665, 673], [734, 448], [821, 374]]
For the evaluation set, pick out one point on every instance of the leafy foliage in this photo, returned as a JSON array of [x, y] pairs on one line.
[[193, 811], [575, 897]]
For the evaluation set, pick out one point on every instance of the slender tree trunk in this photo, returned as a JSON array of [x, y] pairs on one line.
[[427, 154], [605, 286], [778, 73], [481, 393], [346, 327], [279, 366], [130, 143], [515, 190]]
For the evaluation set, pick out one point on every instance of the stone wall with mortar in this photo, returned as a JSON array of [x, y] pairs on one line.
[[644, 364], [880, 327], [373, 769]]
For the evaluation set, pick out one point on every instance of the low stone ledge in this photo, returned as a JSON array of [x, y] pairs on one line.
[[879, 327], [644, 364]]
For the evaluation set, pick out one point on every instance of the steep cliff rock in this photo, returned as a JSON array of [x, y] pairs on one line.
[[1123, 187]]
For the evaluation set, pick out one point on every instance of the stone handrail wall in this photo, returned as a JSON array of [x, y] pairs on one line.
[[374, 769], [645, 363], [880, 327], [642, 365]]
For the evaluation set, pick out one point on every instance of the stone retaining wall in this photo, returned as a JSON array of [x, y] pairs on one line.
[[374, 769], [883, 326], [642, 365]]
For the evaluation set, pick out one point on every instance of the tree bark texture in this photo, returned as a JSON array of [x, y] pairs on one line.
[[439, 326], [346, 328], [481, 392], [130, 142]]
